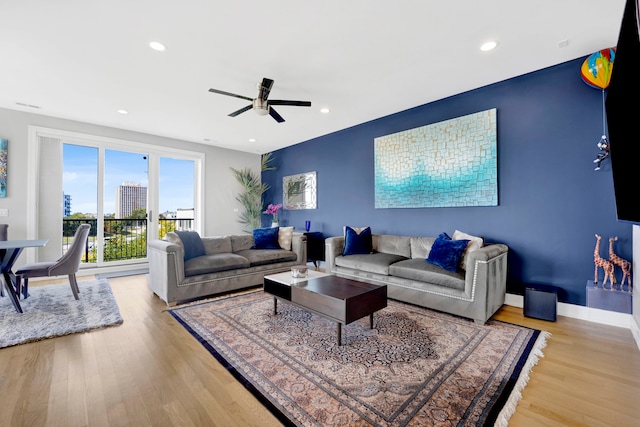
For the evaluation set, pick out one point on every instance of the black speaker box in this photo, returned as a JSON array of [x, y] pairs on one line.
[[541, 301]]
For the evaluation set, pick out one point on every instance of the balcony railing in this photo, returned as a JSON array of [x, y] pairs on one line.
[[124, 239]]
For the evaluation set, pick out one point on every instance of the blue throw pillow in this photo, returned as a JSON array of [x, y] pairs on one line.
[[193, 246], [266, 238], [355, 243], [446, 253]]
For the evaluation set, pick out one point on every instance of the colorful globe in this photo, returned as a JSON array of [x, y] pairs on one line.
[[596, 69]]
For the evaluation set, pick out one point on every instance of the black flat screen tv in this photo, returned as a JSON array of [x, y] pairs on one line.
[[623, 117]]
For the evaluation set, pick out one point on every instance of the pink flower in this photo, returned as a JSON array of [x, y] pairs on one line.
[[273, 210]]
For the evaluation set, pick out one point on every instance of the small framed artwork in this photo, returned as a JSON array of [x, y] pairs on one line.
[[3, 167], [299, 191]]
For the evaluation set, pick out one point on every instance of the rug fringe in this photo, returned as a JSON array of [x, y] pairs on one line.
[[510, 406]]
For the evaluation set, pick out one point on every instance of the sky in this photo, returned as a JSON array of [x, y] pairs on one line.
[[80, 178]]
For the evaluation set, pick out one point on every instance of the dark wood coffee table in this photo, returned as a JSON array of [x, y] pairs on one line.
[[341, 300]]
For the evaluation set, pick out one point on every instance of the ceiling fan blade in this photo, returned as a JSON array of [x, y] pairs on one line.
[[221, 92], [265, 88], [242, 110], [275, 115], [294, 103]]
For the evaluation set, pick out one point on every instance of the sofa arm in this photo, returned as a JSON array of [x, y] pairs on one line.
[[299, 246], [488, 277], [333, 246], [487, 253], [166, 268]]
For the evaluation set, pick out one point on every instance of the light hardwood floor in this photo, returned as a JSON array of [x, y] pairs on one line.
[[149, 371]]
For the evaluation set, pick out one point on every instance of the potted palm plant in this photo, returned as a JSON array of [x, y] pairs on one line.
[[252, 190]]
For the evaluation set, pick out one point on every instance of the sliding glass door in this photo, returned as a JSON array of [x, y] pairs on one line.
[[176, 200], [128, 196]]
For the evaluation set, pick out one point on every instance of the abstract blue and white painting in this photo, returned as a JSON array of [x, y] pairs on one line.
[[447, 164], [3, 167]]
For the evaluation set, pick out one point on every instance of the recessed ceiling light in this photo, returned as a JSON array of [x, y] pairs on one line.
[[157, 46], [252, 140], [490, 45], [123, 112], [324, 110]]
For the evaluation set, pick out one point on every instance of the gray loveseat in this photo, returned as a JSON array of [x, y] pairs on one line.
[[399, 262], [228, 264]]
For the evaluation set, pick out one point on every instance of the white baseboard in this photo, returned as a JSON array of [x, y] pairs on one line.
[[596, 315], [635, 330]]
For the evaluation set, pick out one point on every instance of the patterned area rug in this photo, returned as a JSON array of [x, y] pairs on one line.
[[51, 311], [416, 367]]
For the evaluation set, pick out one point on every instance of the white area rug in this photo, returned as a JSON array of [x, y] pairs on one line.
[[51, 311]]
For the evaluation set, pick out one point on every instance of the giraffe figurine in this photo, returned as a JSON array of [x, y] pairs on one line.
[[606, 265], [622, 263]]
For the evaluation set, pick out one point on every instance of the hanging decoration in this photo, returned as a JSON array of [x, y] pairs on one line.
[[596, 72], [596, 69]]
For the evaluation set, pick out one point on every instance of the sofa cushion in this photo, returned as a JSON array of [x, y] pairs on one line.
[[266, 238], [420, 247], [285, 235], [192, 243], [378, 262], [241, 242], [446, 253], [217, 245], [214, 263], [474, 244], [357, 243], [417, 269], [397, 245], [267, 256]]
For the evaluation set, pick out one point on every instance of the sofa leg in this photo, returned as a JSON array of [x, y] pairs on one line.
[[479, 322]]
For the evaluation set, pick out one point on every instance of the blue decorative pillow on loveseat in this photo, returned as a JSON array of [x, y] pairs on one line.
[[446, 253], [266, 238]]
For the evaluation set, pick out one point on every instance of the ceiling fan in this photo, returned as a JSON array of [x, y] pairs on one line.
[[261, 104]]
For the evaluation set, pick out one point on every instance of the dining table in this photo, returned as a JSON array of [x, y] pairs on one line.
[[10, 250]]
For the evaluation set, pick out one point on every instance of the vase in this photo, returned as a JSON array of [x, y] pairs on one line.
[[274, 224]]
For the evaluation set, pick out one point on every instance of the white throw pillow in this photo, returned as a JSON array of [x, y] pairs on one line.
[[474, 244], [285, 235]]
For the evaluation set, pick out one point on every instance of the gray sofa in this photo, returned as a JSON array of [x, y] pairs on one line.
[[229, 264], [399, 262]]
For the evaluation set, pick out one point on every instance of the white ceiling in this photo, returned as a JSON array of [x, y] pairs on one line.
[[364, 59]]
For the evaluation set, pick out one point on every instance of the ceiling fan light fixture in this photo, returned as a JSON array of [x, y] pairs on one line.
[[261, 104], [260, 107]]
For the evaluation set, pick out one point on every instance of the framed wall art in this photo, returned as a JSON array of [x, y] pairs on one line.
[[447, 164], [3, 167], [299, 191]]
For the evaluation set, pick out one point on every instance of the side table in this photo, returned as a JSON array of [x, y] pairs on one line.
[[315, 246]]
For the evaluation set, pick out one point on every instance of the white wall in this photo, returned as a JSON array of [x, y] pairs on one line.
[[220, 187]]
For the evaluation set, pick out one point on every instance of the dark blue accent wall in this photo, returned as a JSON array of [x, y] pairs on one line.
[[551, 202]]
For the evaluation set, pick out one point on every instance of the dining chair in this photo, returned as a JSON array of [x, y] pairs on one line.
[[68, 264]]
